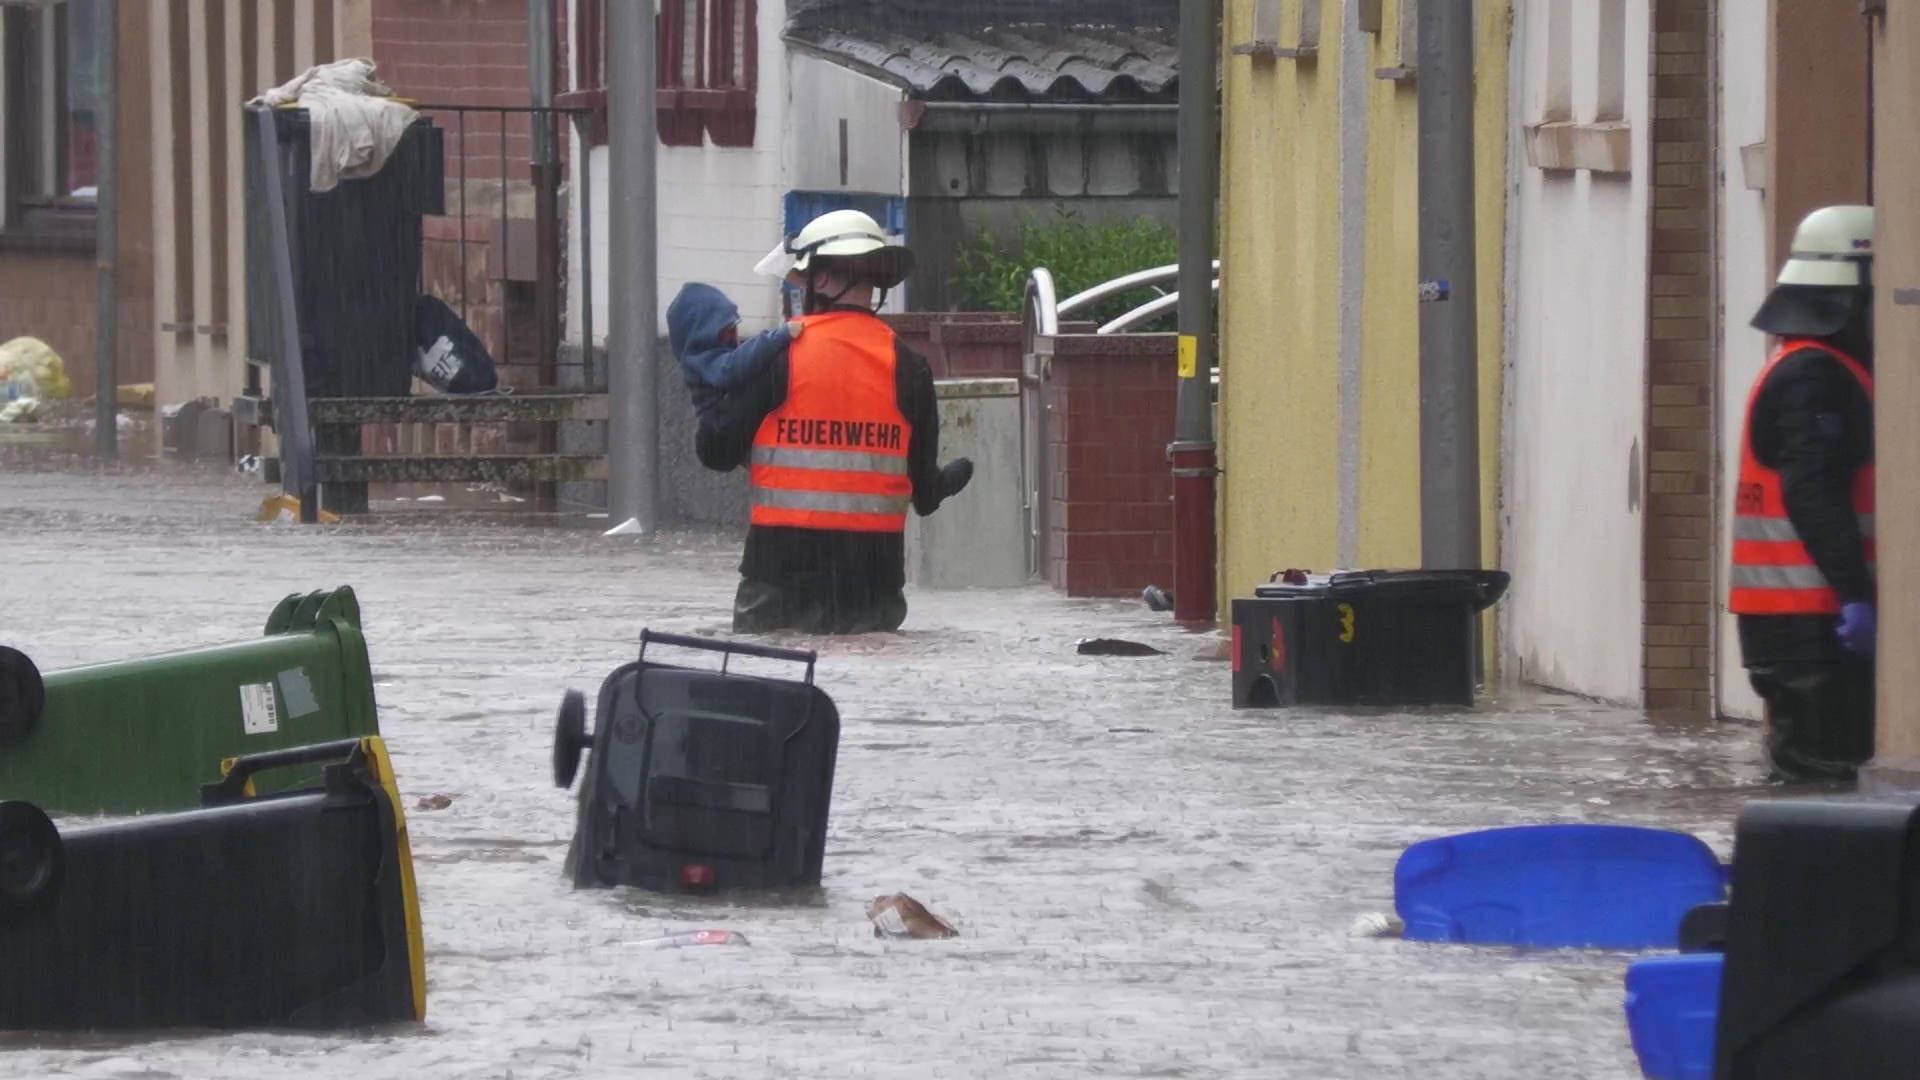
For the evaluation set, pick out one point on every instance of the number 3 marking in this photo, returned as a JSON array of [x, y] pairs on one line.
[[1346, 623]]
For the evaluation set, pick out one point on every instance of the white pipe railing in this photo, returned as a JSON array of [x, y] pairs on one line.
[[1041, 310], [1125, 284], [1040, 307], [1146, 311]]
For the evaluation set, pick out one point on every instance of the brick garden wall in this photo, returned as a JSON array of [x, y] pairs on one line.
[[1110, 414]]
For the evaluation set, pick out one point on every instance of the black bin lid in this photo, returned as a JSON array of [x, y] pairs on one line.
[[1479, 588]]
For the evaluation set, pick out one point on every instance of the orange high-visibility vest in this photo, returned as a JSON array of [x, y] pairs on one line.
[[834, 454], [1773, 573]]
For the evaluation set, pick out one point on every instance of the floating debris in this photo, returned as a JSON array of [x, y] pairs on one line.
[[693, 939], [901, 916], [1376, 924], [1116, 647]]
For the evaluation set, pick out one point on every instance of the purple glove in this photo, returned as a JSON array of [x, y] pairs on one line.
[[1856, 628]]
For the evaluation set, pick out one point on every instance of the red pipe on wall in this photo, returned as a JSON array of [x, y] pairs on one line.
[[1194, 472]]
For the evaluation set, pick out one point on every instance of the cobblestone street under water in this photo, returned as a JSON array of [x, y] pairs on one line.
[[1146, 882]]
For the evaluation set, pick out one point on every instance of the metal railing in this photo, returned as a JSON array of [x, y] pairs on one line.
[[550, 230]]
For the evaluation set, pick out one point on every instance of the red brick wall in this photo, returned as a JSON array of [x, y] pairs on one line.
[[977, 350], [464, 52], [968, 344], [917, 329], [1110, 414], [473, 52]]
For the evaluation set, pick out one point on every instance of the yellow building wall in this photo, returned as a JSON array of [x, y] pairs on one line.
[[1280, 272], [1390, 336], [1279, 320]]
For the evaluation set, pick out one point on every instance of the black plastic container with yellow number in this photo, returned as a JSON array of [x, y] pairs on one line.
[[1371, 637], [289, 910]]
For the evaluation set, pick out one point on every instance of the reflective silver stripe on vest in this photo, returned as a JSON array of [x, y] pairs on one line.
[[784, 457], [1777, 577], [831, 502], [1780, 529]]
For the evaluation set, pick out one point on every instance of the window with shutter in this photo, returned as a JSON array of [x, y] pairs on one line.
[[707, 75]]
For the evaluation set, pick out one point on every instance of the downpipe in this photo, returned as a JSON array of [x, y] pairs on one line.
[[1195, 473]]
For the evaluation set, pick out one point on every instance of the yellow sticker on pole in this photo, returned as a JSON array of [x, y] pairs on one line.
[[1189, 356]]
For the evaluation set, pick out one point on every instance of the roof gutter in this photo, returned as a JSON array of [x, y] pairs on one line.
[[998, 117]]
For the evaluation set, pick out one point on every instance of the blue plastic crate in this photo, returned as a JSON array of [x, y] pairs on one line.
[[800, 207], [1556, 886], [1673, 1003]]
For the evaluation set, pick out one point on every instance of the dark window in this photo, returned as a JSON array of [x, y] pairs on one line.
[[51, 82]]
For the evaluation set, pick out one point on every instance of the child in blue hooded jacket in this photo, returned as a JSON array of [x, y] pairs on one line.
[[703, 327]]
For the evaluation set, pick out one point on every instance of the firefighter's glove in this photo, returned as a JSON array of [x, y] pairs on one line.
[[954, 477], [1856, 628]]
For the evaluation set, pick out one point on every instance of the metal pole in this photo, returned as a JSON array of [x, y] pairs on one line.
[[541, 62], [541, 46], [1192, 452], [1449, 345], [287, 365], [541, 55], [106, 338], [633, 331], [585, 179]]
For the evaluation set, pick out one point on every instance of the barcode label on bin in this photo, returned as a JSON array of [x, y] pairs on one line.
[[258, 713]]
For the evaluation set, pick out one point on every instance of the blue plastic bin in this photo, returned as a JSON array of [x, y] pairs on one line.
[[1673, 1003], [1556, 886]]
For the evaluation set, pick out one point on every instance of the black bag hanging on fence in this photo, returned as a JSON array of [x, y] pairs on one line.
[[447, 353]]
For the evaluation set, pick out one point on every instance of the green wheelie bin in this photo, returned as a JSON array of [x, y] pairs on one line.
[[144, 735]]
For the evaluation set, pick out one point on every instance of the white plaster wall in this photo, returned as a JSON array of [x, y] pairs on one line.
[[828, 94], [1576, 459], [719, 207], [1744, 279]]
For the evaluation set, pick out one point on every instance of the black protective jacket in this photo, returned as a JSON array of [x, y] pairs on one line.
[[1814, 423], [844, 564]]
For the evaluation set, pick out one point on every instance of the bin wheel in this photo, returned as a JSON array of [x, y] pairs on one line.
[[23, 696], [569, 738], [32, 859]]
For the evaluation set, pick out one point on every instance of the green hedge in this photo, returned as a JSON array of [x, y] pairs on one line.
[[1079, 253]]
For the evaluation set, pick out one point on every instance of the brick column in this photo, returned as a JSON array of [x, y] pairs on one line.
[[1677, 572], [1110, 402]]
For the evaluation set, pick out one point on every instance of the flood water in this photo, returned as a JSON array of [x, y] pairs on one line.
[[1146, 882]]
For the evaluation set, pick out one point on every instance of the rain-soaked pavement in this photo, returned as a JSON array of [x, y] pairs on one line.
[[1147, 883]]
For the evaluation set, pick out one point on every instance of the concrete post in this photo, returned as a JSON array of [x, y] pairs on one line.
[[633, 279]]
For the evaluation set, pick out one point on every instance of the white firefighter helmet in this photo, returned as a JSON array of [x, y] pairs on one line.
[[1830, 247], [841, 234]]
